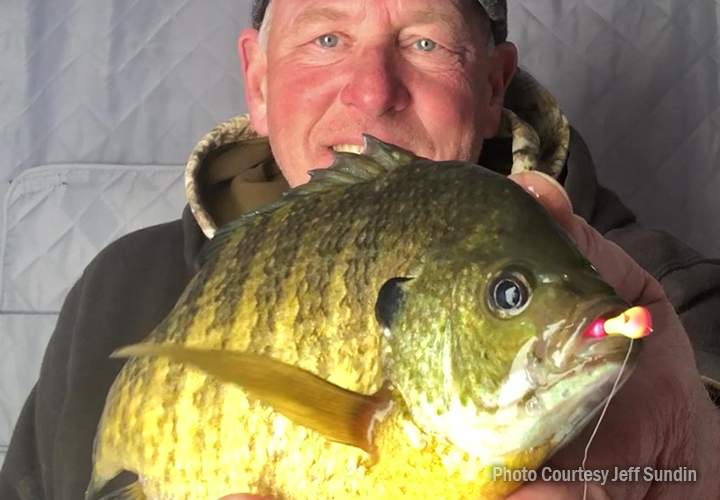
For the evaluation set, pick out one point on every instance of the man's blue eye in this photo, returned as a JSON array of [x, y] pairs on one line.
[[328, 41], [426, 45]]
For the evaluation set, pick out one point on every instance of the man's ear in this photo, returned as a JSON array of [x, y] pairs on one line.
[[254, 68], [503, 66]]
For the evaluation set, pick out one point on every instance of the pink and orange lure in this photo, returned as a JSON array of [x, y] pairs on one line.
[[634, 323]]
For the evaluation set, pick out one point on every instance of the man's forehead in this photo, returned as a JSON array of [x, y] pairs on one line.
[[344, 8], [410, 11], [496, 10]]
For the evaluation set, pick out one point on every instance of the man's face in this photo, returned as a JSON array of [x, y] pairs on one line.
[[416, 73]]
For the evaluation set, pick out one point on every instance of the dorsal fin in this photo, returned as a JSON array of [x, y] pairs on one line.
[[376, 159]]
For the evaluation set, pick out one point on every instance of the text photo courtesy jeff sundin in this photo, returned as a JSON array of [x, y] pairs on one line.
[[681, 474]]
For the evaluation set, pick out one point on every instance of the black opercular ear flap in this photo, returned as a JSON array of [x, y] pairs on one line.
[[388, 302]]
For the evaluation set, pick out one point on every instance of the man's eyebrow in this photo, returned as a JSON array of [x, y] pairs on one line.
[[452, 23], [319, 15]]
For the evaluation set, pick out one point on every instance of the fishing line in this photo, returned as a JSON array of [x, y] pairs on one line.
[[602, 415]]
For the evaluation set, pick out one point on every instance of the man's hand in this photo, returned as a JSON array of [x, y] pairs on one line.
[[662, 417]]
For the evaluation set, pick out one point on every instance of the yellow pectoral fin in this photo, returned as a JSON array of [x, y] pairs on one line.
[[338, 414]]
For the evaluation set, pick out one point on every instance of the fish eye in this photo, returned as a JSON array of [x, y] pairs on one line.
[[509, 294]]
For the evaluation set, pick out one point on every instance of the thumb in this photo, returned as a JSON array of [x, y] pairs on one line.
[[630, 280], [550, 194]]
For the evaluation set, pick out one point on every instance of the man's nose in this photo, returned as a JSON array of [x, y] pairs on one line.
[[375, 86]]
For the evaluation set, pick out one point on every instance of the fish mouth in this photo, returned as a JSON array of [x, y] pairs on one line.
[[572, 349], [570, 403], [570, 389], [563, 352], [572, 364]]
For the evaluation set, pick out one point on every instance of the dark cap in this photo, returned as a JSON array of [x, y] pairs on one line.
[[496, 11]]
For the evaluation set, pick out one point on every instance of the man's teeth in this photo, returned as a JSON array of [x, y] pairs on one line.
[[348, 148]]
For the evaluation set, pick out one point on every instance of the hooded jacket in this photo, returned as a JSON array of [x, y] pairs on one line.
[[134, 282]]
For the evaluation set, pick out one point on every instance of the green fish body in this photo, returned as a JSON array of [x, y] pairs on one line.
[[392, 329]]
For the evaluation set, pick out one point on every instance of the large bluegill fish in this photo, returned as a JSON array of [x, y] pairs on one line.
[[392, 329]]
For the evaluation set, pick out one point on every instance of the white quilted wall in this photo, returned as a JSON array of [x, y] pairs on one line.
[[102, 101]]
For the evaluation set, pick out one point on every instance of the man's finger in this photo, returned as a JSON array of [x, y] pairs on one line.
[[632, 282], [558, 491], [549, 193]]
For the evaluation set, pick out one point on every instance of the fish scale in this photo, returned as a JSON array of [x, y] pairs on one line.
[[274, 373]]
